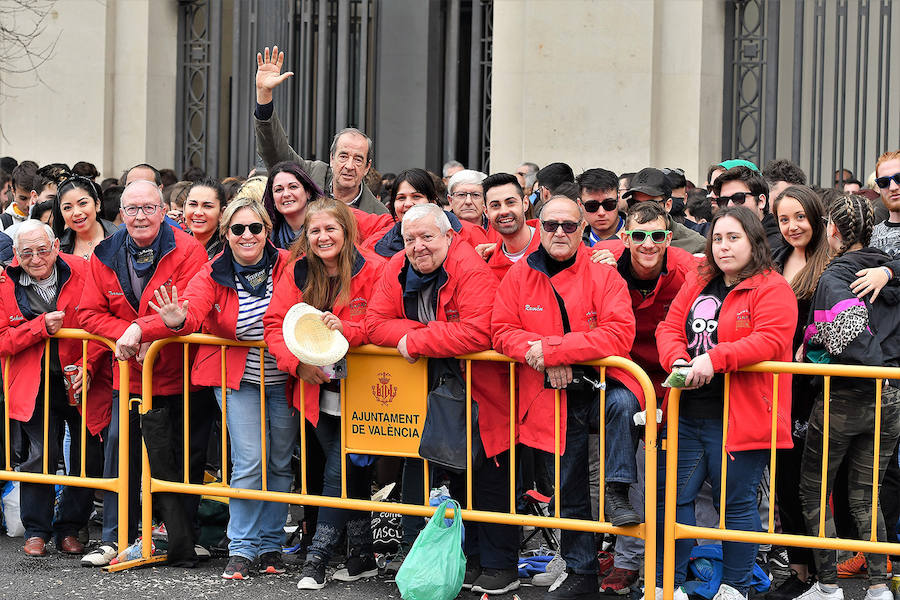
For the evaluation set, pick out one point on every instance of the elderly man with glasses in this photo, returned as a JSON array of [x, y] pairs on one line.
[[466, 197], [553, 309], [125, 271], [38, 297]]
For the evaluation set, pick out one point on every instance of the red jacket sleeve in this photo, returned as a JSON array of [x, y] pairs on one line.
[[774, 320], [614, 333], [509, 334], [94, 311], [16, 339], [385, 320], [284, 295], [472, 332], [362, 286], [368, 224]]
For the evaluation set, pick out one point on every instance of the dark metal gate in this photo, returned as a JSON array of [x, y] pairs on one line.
[[810, 80]]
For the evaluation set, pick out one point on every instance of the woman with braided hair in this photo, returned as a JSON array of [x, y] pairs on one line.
[[843, 328]]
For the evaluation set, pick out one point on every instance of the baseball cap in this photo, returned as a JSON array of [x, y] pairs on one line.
[[650, 181]]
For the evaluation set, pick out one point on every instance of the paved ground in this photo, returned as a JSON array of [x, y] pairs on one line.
[[62, 577]]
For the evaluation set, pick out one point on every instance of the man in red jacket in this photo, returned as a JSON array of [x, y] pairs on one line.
[[430, 302], [125, 269], [38, 297], [553, 309], [654, 271], [506, 206]]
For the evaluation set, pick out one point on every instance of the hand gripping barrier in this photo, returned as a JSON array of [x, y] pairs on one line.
[[673, 531], [379, 360], [118, 484]]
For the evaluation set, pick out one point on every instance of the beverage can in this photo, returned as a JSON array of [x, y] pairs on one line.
[[69, 372]]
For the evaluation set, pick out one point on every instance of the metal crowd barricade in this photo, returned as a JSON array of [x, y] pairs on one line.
[[118, 484], [673, 531], [646, 530]]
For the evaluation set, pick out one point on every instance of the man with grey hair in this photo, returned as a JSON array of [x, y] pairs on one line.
[[38, 297], [343, 176], [466, 196], [451, 168], [430, 303], [126, 269], [526, 173]]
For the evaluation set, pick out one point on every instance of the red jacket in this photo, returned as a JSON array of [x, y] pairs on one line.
[[650, 310], [213, 305], [462, 325], [288, 291], [525, 309], [756, 323], [368, 224], [498, 261], [106, 310], [22, 344]]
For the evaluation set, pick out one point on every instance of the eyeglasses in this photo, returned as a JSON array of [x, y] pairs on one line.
[[657, 236], [610, 204], [737, 198], [464, 195], [885, 182], [567, 226], [238, 228], [148, 209], [29, 254]]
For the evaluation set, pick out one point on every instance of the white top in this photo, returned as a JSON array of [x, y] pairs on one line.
[[250, 328]]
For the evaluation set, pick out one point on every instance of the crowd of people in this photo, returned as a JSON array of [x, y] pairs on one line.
[[546, 267]]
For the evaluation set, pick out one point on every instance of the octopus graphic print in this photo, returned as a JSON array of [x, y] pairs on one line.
[[703, 324]]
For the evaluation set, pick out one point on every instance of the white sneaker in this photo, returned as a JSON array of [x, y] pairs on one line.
[[100, 556], [817, 592], [879, 593], [555, 568], [680, 594], [201, 552], [726, 592]]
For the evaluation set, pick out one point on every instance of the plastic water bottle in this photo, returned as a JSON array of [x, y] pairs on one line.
[[132, 552]]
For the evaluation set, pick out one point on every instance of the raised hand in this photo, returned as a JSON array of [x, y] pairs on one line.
[[173, 314], [268, 73]]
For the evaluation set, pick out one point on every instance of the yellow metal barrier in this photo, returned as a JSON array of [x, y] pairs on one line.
[[118, 484], [673, 531], [646, 530]]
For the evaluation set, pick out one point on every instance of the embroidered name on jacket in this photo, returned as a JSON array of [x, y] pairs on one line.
[[591, 319], [742, 320], [358, 306], [535, 308], [114, 293], [452, 315]]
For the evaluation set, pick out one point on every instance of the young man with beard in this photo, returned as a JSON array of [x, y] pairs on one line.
[[505, 206]]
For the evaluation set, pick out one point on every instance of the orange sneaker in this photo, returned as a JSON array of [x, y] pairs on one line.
[[855, 566]]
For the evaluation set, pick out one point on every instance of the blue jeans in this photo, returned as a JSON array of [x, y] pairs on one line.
[[699, 460], [254, 526], [332, 521], [582, 411]]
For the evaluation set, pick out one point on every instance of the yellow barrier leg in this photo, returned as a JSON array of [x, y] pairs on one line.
[[671, 499]]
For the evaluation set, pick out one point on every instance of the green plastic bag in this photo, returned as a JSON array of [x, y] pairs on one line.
[[435, 567]]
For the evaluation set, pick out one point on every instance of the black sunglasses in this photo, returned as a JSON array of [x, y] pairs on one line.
[[238, 228], [737, 198], [608, 205], [552, 226], [885, 182]]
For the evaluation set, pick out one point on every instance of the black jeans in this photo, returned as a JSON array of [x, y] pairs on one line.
[[75, 503]]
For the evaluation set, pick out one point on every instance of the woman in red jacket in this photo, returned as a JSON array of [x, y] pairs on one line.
[[736, 311], [228, 297], [333, 276]]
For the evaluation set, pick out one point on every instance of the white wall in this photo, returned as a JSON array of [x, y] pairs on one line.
[[107, 94], [620, 85]]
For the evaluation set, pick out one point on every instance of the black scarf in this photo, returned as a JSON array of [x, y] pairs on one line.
[[283, 236], [254, 278], [143, 260], [415, 281]]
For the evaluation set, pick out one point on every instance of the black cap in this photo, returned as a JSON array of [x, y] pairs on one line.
[[650, 181]]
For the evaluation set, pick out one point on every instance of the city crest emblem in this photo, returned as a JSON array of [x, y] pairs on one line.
[[384, 391]]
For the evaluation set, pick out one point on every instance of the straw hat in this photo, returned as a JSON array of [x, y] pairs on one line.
[[309, 339]]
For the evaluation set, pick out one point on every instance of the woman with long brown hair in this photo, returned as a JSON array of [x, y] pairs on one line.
[[331, 274]]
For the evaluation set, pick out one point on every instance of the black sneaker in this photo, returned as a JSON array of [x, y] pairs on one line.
[[238, 567], [312, 577], [473, 571], [572, 586], [395, 563], [496, 581], [619, 511], [271, 563], [357, 567], [779, 563], [790, 588]]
